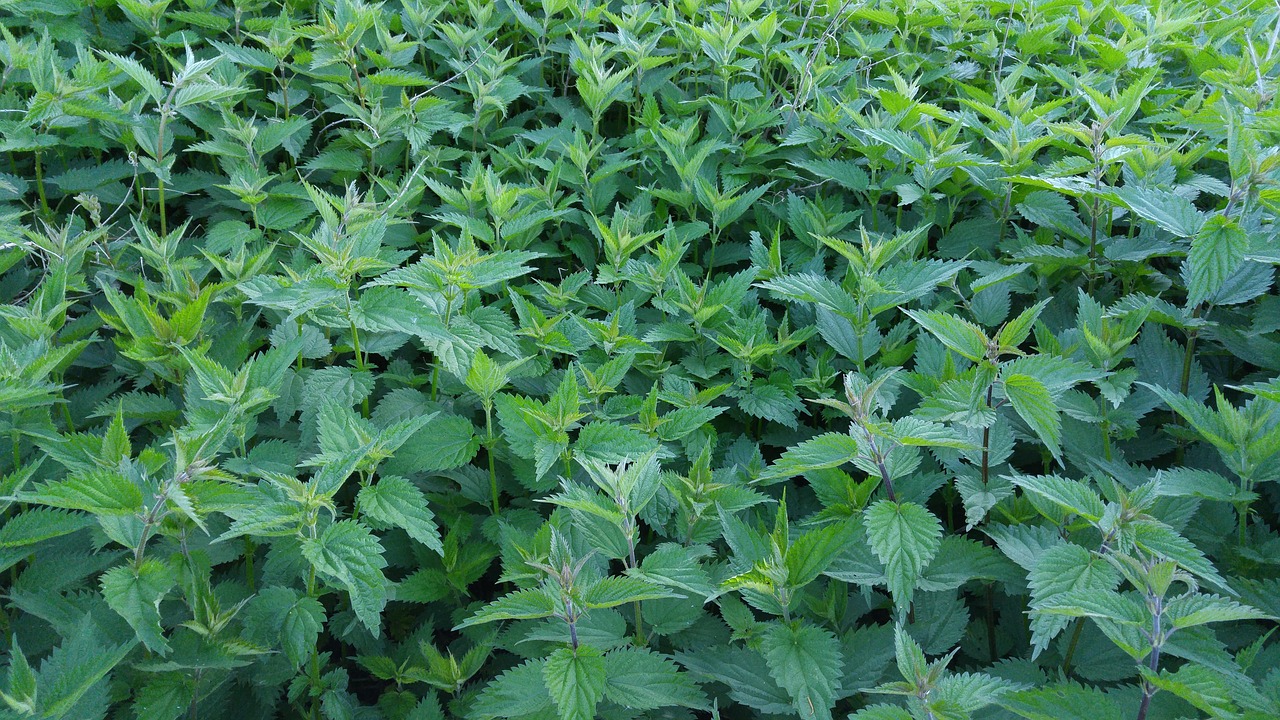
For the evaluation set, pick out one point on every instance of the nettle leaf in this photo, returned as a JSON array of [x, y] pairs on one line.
[[135, 593], [1217, 251], [293, 620], [963, 337], [1072, 496], [1033, 403], [1062, 701], [618, 590], [905, 537], [1164, 542], [806, 661], [678, 567], [641, 679], [75, 669], [444, 443], [811, 553], [519, 692], [828, 450], [576, 680], [348, 555], [1060, 570], [1171, 212], [101, 492], [529, 604], [1191, 610], [395, 502], [40, 524], [1049, 209]]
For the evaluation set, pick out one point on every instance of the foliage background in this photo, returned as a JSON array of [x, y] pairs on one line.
[[759, 359]]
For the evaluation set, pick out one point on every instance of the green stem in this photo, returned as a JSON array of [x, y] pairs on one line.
[[164, 227], [488, 451], [249, 550], [986, 441], [640, 641], [44, 200], [1071, 647]]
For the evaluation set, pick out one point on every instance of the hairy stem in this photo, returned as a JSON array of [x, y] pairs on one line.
[[1148, 690]]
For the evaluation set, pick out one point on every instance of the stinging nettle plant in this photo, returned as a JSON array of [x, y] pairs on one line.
[[446, 359]]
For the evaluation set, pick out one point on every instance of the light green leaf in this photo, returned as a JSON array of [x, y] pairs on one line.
[[905, 536], [1200, 609], [576, 681], [1035, 405], [1062, 569], [960, 335], [394, 501], [1073, 496], [527, 604], [828, 450], [348, 555], [619, 590], [1171, 212], [101, 492], [38, 524], [1217, 250]]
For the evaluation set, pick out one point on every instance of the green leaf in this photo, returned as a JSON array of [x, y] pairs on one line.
[[806, 661], [349, 556], [1073, 496], [1016, 331], [1164, 542], [21, 695], [75, 668], [828, 450], [140, 75], [295, 620], [1217, 250], [1171, 212], [611, 443], [811, 553], [519, 692], [677, 566], [1207, 690], [1062, 569], [38, 524], [962, 336], [136, 594], [619, 590], [905, 536], [395, 502], [444, 443], [1062, 701], [969, 692], [1051, 210], [1200, 609], [576, 681], [528, 604], [1035, 405], [101, 492], [641, 679]]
